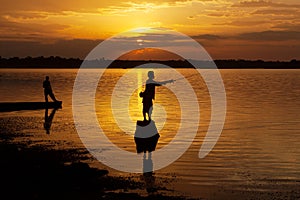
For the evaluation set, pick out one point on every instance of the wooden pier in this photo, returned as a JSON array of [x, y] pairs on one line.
[[17, 106]]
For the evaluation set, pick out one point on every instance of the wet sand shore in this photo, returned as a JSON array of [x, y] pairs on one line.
[[37, 172], [36, 165]]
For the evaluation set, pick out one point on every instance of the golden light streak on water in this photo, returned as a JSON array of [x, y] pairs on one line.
[[140, 86]]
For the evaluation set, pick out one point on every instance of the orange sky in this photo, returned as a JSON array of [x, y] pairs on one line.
[[228, 29]]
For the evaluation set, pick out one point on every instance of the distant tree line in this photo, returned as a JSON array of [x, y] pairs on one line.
[[59, 62], [255, 64], [40, 62]]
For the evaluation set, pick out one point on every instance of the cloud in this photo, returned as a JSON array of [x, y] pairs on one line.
[[26, 16], [263, 3], [207, 37], [156, 37], [254, 36], [219, 14], [270, 36], [191, 17], [252, 45], [128, 7], [64, 48], [146, 6], [54, 6], [245, 23], [14, 30], [287, 26], [290, 11]]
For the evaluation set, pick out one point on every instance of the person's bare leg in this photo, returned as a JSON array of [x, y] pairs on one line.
[[46, 98], [150, 113], [144, 114], [148, 117], [52, 96]]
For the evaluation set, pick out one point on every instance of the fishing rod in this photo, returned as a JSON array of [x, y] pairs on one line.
[[178, 79]]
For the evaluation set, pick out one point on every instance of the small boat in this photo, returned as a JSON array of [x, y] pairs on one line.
[[17, 106]]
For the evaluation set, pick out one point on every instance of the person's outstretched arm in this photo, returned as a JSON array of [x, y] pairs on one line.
[[166, 82]]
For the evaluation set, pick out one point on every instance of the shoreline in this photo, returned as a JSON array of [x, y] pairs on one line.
[[50, 170], [38, 172]]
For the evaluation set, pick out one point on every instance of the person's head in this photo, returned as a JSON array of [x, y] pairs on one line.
[[47, 78], [151, 75]]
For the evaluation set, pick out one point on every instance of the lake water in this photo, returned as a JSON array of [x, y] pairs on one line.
[[256, 157]]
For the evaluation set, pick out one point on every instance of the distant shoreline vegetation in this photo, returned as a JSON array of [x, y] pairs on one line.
[[74, 63]]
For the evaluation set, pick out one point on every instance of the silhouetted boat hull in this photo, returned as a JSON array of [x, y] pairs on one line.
[[16, 106]]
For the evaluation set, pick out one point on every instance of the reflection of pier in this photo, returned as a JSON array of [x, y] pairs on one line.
[[146, 136], [17, 106]]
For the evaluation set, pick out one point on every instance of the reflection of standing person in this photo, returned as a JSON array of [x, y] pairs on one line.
[[48, 89], [148, 174], [48, 120], [149, 94]]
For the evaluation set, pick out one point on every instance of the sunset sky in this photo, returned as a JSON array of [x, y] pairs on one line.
[[228, 29]]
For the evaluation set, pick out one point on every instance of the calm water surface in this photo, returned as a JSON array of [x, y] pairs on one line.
[[257, 154]]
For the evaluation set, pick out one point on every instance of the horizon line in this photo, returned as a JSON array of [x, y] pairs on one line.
[[160, 60]]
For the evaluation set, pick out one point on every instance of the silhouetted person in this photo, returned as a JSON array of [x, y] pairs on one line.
[[48, 120], [48, 89], [149, 94]]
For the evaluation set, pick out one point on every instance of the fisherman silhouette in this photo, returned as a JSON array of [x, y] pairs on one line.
[[149, 94], [146, 134], [48, 90]]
